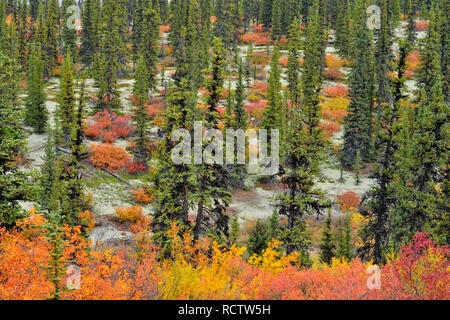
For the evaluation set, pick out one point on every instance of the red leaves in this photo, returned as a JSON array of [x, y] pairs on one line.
[[348, 201], [422, 25], [108, 127]]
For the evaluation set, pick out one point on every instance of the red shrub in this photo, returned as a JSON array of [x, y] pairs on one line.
[[134, 167], [256, 108], [348, 201], [334, 115], [330, 128], [108, 127]]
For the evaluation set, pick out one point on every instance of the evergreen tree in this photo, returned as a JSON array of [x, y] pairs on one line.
[[14, 184], [327, 246], [90, 39], [111, 56], [3, 28], [36, 112], [272, 114], [258, 239], [293, 69], [213, 191], [344, 247], [377, 202], [266, 13], [358, 122], [69, 34], [47, 170], [411, 29], [312, 69], [140, 116], [421, 202], [149, 44], [66, 108], [277, 23], [51, 46], [234, 234]]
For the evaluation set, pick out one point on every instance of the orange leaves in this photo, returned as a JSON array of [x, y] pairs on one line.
[[271, 258], [108, 127], [338, 91], [87, 219], [333, 74], [164, 28], [422, 25], [110, 157], [348, 201], [143, 195], [132, 214], [258, 39], [335, 62], [330, 127]]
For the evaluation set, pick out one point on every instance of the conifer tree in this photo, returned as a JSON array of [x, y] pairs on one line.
[[312, 69], [422, 156], [14, 184], [47, 170], [358, 122], [327, 246], [36, 112], [111, 56], [411, 29], [90, 38], [66, 107], [293, 70], [149, 44], [69, 34], [140, 116], [52, 42], [258, 239], [266, 13], [272, 114], [3, 28], [277, 23], [377, 202], [213, 191], [234, 234]]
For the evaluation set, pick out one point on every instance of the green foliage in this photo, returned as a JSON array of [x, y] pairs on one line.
[[14, 184], [327, 246], [258, 239]]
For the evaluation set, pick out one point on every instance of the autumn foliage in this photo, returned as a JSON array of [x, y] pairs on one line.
[[108, 127], [205, 270], [348, 201], [337, 91], [108, 156]]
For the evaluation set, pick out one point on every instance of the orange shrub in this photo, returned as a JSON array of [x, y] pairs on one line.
[[110, 157], [348, 201], [256, 108], [413, 60], [333, 74], [337, 91], [132, 214], [258, 39], [422, 25], [164, 28], [284, 62], [87, 220], [334, 115], [330, 128], [143, 194], [335, 62]]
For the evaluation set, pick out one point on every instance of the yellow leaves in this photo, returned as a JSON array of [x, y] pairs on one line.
[[272, 260]]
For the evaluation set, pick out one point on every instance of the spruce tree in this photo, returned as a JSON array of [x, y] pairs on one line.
[[69, 34], [213, 191], [358, 122], [258, 239], [47, 170], [327, 246], [66, 106], [90, 38], [14, 184], [272, 114], [36, 111], [110, 58], [377, 202], [293, 69], [140, 116]]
